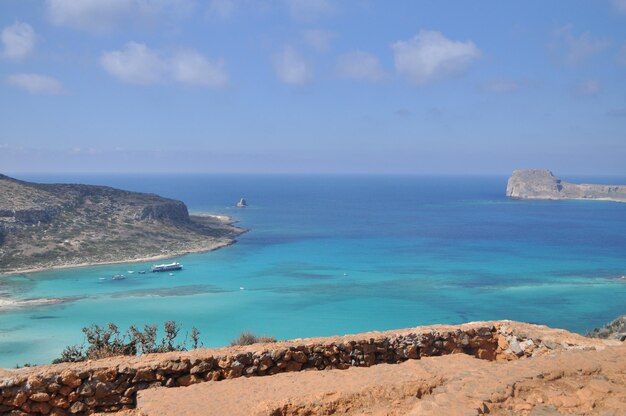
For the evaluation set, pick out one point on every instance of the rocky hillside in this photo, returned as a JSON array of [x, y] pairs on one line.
[[55, 225], [542, 184]]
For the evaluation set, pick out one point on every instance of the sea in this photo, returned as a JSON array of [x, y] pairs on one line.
[[339, 254]]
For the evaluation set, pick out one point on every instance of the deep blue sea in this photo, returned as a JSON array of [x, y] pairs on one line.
[[332, 255]]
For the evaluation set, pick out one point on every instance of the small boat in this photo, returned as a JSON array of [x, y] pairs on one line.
[[142, 272], [130, 272], [242, 203], [118, 277], [166, 267], [241, 288], [171, 274]]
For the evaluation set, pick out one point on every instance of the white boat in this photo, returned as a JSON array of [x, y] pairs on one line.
[[166, 267], [242, 203], [118, 277]]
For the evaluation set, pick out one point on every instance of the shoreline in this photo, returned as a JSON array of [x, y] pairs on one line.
[[202, 249]]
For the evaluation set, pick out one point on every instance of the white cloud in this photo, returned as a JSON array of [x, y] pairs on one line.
[[291, 68], [192, 68], [36, 84], [221, 8], [588, 88], [429, 56], [501, 86], [138, 64], [360, 66], [309, 9], [102, 15], [577, 48], [318, 39], [135, 64], [619, 5], [18, 40]]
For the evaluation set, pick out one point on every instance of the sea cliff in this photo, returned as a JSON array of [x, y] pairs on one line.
[[542, 184]]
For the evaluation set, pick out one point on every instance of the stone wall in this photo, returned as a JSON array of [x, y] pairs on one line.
[[112, 384]]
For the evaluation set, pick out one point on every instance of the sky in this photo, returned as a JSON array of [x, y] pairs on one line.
[[312, 86]]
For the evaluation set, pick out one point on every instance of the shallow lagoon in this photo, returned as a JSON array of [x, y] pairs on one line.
[[342, 254]]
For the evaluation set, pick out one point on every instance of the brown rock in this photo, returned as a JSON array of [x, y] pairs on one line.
[[70, 378], [65, 390], [42, 407], [78, 407], [144, 374], [299, 356], [40, 397], [72, 397], [225, 362], [107, 374], [486, 354], [18, 400], [34, 382], [53, 387], [58, 412], [104, 389], [293, 366], [60, 401], [188, 380], [213, 376]]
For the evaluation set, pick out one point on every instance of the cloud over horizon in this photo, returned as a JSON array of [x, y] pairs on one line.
[[501, 86], [137, 64], [588, 88], [318, 39], [430, 56], [574, 48], [103, 15], [291, 68], [308, 10], [619, 5], [360, 65], [36, 84], [18, 41]]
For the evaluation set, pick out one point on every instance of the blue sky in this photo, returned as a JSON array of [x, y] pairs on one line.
[[308, 86]]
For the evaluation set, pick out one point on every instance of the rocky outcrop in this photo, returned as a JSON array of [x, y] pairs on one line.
[[174, 211], [542, 184], [613, 330], [34, 216], [112, 384]]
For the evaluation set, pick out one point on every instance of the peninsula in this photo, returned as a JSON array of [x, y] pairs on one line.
[[44, 226], [542, 184]]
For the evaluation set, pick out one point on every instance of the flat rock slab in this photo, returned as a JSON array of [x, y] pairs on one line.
[[568, 382]]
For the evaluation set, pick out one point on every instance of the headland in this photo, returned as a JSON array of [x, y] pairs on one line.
[[50, 226]]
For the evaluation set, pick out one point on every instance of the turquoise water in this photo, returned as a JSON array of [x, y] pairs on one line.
[[343, 254]]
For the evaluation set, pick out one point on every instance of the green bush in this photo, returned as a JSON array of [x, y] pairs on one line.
[[103, 342], [249, 338]]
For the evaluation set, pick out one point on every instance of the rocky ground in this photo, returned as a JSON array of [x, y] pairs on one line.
[[496, 367], [50, 226], [568, 382]]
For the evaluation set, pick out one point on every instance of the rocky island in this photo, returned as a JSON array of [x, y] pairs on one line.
[[542, 184], [46, 226]]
